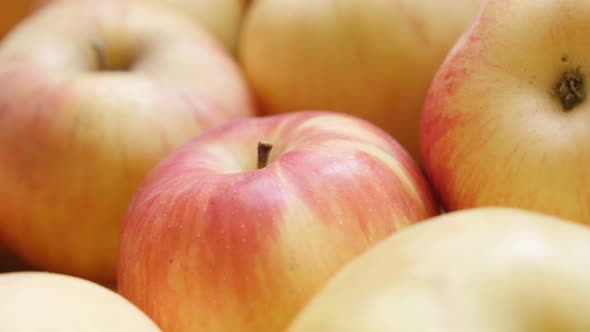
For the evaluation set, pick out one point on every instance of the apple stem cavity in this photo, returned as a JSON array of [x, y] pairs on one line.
[[264, 149], [98, 48], [570, 89]]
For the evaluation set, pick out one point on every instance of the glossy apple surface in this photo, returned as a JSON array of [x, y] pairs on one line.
[[495, 130], [40, 301], [213, 242], [372, 58], [485, 270], [92, 96]]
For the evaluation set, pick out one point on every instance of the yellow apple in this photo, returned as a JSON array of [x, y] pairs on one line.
[[506, 120], [222, 18], [371, 58], [484, 270], [40, 301], [92, 96]]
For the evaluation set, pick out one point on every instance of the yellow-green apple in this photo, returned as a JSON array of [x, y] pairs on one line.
[[482, 269], [92, 96], [222, 18], [41, 301], [235, 230], [373, 59], [505, 120]]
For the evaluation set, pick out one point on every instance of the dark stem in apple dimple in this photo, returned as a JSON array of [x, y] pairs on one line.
[[263, 153], [570, 89], [98, 48]]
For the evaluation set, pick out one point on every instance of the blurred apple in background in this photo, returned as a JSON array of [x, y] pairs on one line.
[[221, 237], [372, 58], [506, 121], [222, 18], [40, 301], [485, 270], [92, 96]]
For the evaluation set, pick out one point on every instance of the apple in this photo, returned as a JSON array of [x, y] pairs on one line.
[[373, 59], [236, 229], [92, 96], [481, 269], [222, 18], [504, 122], [41, 301]]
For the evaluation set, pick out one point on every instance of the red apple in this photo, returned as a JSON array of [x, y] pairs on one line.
[[40, 301], [476, 270], [506, 119], [92, 96], [217, 239], [370, 58]]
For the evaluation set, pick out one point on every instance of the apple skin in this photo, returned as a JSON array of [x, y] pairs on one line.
[[221, 18], [76, 141], [212, 243], [492, 130], [373, 59], [482, 269], [41, 301]]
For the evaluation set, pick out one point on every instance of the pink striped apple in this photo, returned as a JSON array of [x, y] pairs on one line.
[[92, 96], [506, 119], [221, 237]]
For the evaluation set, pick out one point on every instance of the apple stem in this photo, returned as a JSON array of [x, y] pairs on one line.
[[263, 153], [570, 89], [98, 48]]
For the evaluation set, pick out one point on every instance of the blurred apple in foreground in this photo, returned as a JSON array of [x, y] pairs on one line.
[[222, 18], [484, 270], [506, 119], [372, 58], [222, 238], [92, 96], [40, 301]]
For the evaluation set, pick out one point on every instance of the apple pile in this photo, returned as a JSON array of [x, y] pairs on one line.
[[294, 165]]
